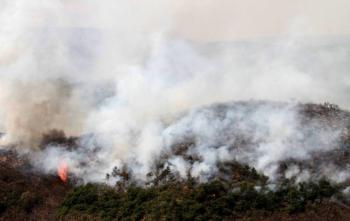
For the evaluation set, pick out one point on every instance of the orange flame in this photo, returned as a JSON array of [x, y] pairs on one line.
[[62, 171]]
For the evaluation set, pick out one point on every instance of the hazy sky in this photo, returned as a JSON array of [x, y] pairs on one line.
[[250, 18], [216, 20]]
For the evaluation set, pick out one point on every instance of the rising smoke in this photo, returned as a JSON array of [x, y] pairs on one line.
[[123, 77]]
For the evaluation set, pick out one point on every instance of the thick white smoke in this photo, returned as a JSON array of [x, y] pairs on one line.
[[121, 72]]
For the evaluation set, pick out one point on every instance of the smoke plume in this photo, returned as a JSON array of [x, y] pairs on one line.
[[127, 77]]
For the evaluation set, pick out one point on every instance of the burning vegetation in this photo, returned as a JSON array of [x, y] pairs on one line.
[[62, 171]]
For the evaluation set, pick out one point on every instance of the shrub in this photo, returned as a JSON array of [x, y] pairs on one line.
[[214, 200]]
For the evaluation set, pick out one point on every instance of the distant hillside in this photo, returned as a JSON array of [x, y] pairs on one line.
[[234, 191]]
